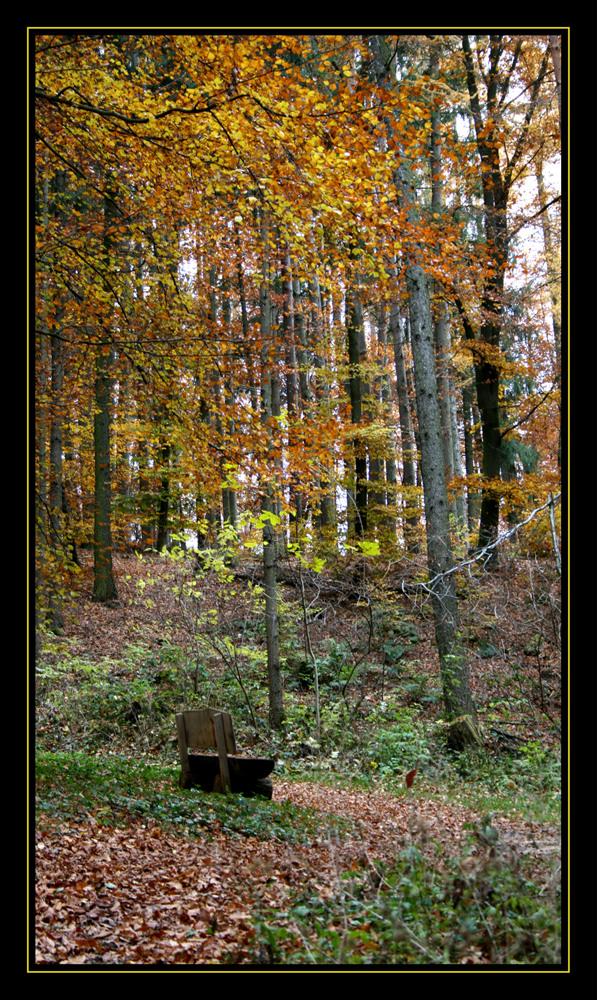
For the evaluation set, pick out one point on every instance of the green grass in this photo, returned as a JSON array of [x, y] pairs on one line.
[[116, 790]]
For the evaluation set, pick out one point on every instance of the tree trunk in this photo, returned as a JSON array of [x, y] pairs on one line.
[[292, 382], [389, 460], [496, 190], [164, 498], [460, 709], [407, 434], [487, 372], [270, 403], [52, 492], [104, 586], [229, 497], [354, 325], [447, 395], [555, 44], [459, 706], [470, 421], [55, 496], [553, 282], [326, 518], [270, 587]]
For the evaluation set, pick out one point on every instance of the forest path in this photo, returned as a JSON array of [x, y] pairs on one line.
[[137, 895]]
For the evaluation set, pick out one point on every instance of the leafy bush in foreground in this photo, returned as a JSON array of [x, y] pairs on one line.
[[475, 910]]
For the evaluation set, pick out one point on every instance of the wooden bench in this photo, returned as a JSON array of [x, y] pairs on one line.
[[211, 728]]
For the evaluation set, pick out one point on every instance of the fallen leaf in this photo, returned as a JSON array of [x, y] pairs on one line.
[[410, 777]]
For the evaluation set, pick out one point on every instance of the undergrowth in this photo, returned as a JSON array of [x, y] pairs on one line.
[[126, 707], [481, 908], [105, 750]]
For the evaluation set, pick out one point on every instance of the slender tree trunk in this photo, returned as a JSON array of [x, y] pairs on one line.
[[326, 517], [460, 709], [229, 496], [292, 382], [376, 452], [454, 668], [469, 421], [487, 372], [553, 282], [496, 190], [447, 395], [52, 492], [407, 434], [383, 66], [555, 44], [164, 497], [354, 325], [55, 494], [459, 706], [104, 586], [270, 587], [389, 498], [270, 403], [41, 503]]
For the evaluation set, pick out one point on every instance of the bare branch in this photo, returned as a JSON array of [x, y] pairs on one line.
[[487, 549]]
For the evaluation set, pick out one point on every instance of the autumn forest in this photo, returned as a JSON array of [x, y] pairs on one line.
[[296, 346]]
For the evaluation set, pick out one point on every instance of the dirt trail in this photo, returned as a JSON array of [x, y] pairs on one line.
[[139, 896]]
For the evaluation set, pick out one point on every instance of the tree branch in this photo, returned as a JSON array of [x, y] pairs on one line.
[[487, 549]]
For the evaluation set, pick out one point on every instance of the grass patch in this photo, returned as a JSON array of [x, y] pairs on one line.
[[116, 790]]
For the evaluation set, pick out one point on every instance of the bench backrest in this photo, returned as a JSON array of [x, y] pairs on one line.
[[203, 729], [198, 732]]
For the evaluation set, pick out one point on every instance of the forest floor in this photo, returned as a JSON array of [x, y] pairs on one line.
[[139, 893]]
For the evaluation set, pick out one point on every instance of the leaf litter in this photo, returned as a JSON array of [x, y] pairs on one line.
[[138, 895]]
